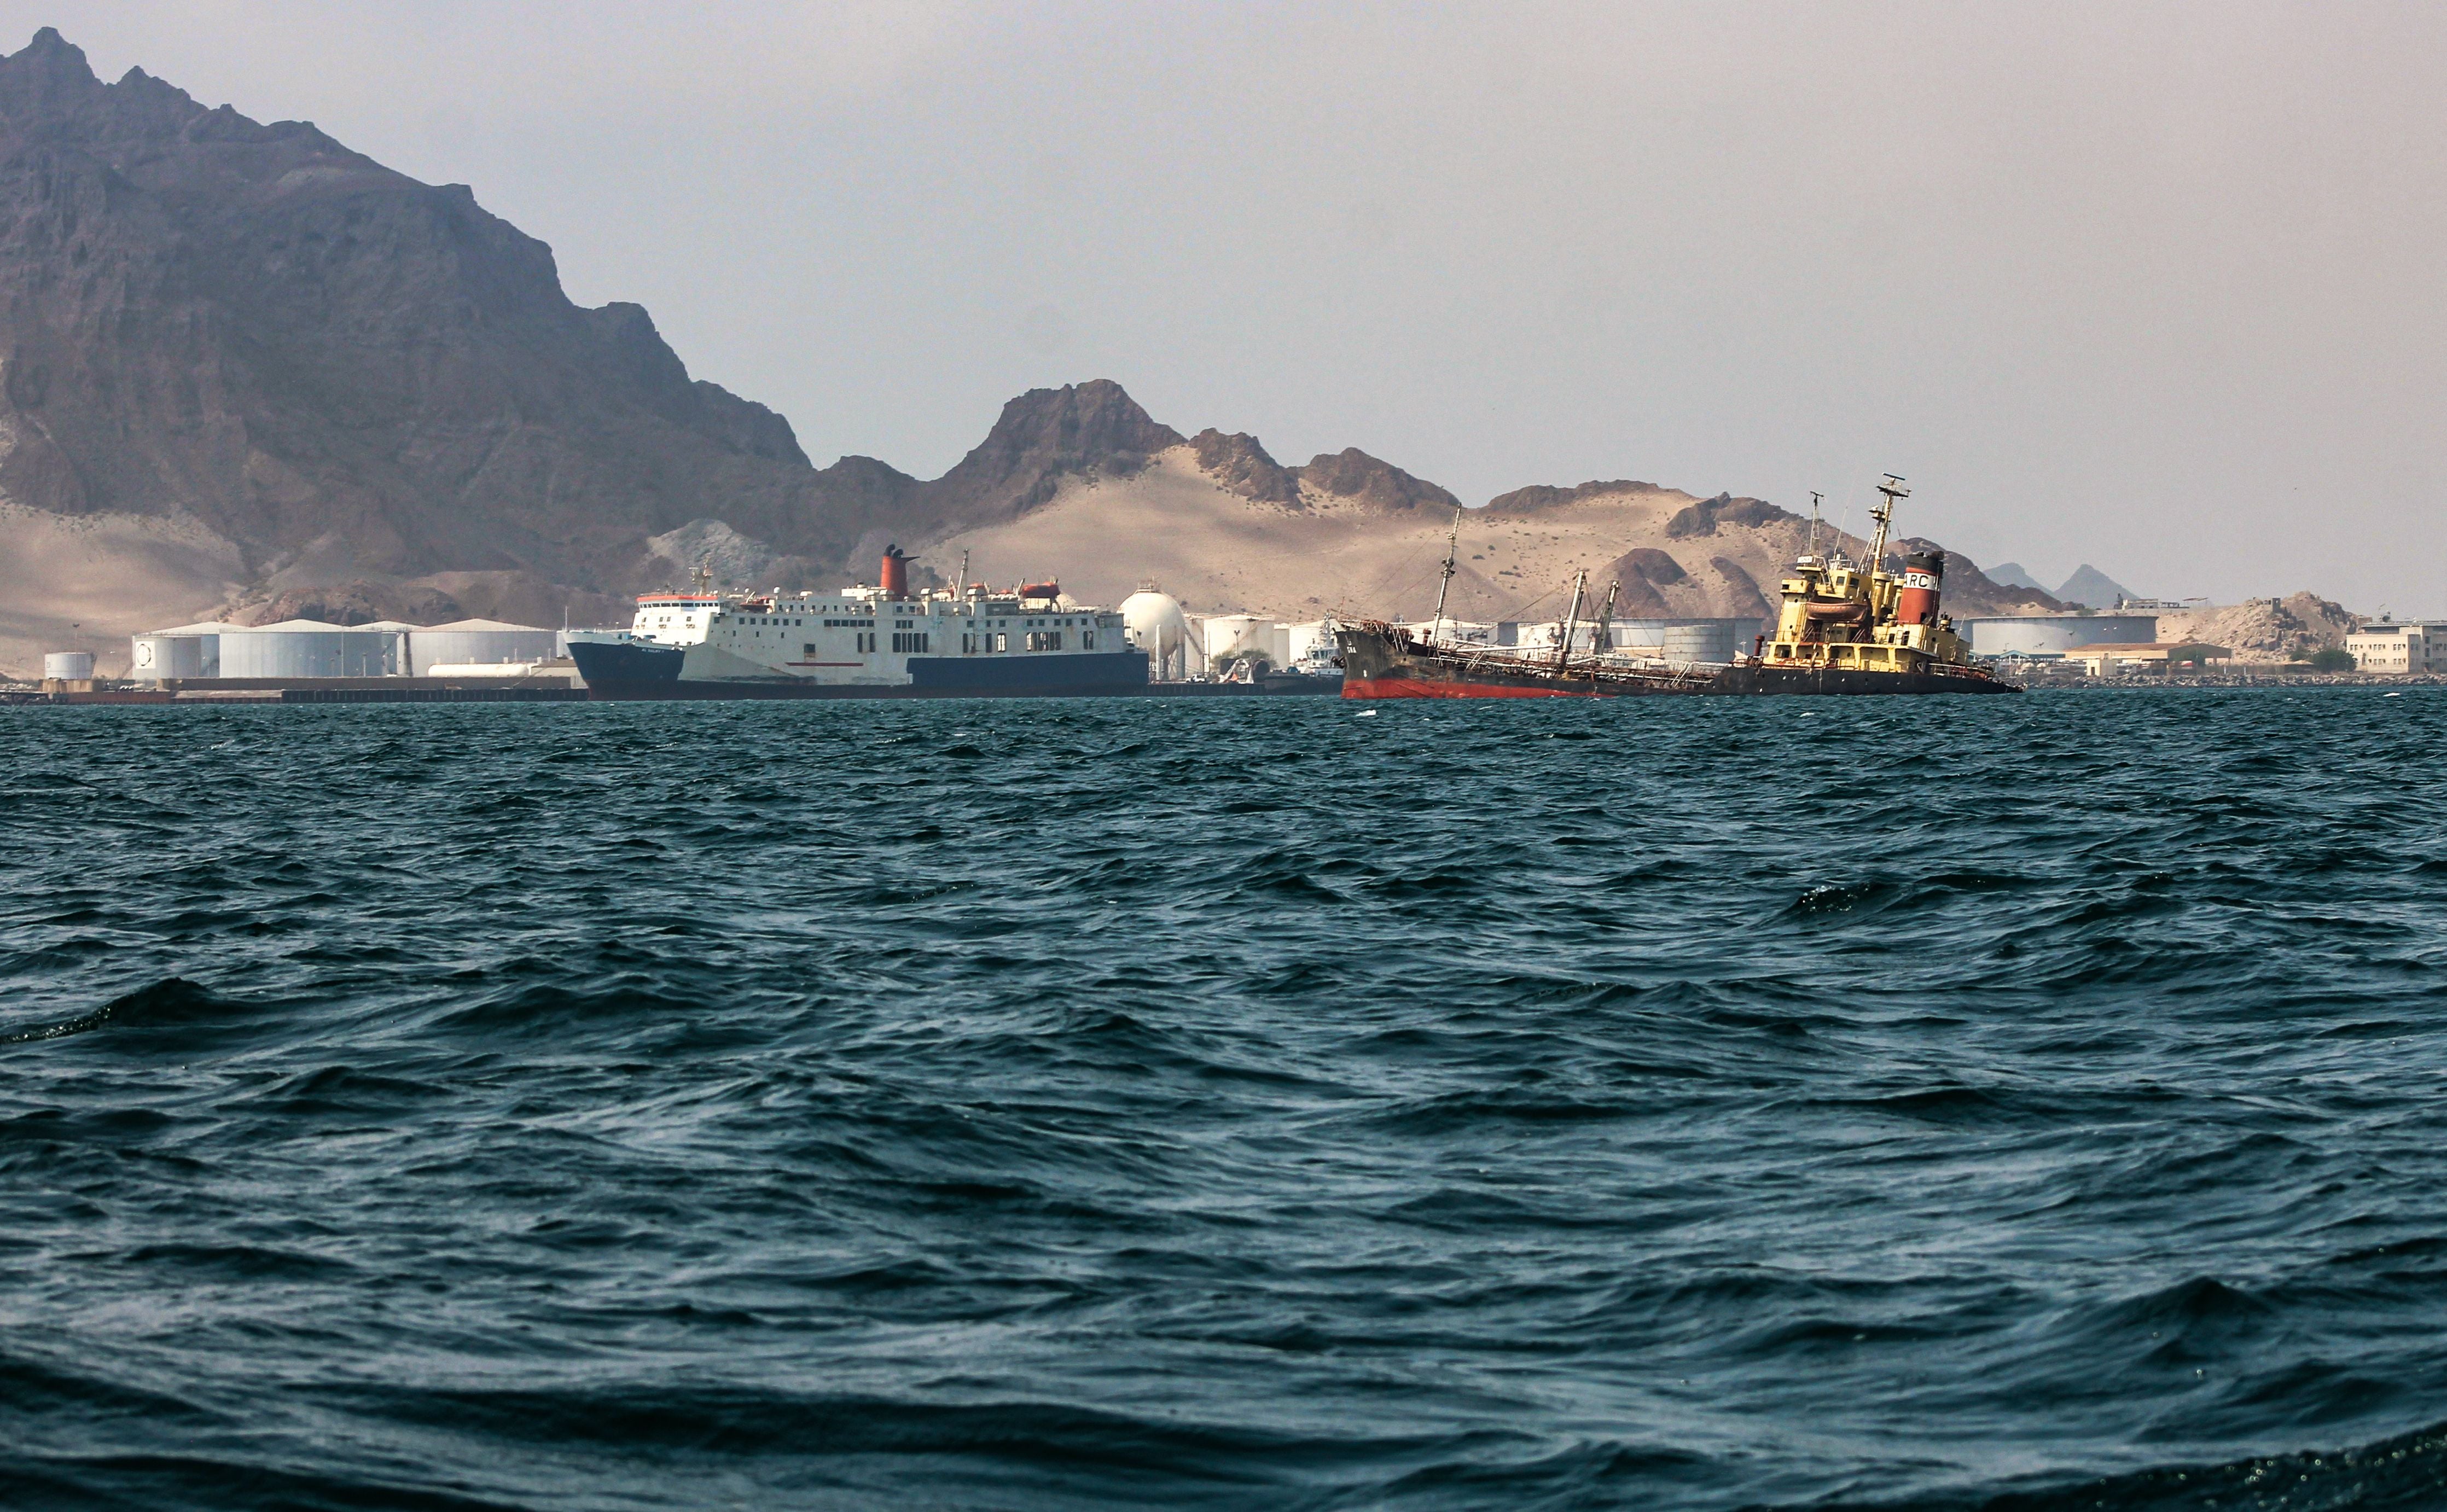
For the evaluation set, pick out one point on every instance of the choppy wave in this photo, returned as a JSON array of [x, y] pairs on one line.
[[1927, 1105]]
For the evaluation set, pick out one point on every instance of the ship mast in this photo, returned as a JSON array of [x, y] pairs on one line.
[[1816, 498], [1452, 549], [1884, 514]]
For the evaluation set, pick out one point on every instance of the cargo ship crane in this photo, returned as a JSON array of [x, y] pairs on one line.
[[1452, 551], [1572, 621]]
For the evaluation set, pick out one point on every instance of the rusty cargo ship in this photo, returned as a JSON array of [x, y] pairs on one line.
[[1843, 627]]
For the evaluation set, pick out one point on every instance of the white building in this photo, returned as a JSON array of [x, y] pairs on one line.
[[2383, 646]]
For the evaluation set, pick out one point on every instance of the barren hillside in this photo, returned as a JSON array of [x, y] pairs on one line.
[[1300, 550], [2263, 629]]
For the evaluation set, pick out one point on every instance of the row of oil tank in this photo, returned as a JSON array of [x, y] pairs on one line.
[[1182, 646], [309, 648], [1689, 640]]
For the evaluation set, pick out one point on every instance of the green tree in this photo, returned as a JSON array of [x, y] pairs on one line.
[[2332, 659]]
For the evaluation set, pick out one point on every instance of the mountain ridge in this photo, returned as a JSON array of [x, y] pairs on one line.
[[244, 367]]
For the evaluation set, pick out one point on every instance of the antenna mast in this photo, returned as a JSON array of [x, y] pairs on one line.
[[1884, 514], [1816, 498], [1453, 548]]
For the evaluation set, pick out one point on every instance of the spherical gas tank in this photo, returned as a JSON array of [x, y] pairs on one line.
[[1154, 623]]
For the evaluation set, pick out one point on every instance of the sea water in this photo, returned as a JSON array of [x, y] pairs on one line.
[[2030, 1102]]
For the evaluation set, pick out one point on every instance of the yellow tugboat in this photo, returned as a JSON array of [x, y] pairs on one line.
[[1843, 627]]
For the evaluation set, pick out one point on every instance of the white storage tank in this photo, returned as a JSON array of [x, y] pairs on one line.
[[182, 650], [2055, 635], [1705, 640], [1153, 622], [308, 648], [1639, 637], [1231, 636], [68, 665], [476, 642]]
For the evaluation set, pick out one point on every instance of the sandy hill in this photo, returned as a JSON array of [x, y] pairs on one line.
[[2263, 629], [1224, 527]]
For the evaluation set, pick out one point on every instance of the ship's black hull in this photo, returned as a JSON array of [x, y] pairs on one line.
[[1385, 664]]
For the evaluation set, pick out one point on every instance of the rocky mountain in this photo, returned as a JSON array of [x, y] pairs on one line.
[[2013, 575], [248, 373], [2263, 629], [240, 359], [2088, 588]]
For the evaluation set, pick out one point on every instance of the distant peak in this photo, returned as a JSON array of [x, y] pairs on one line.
[[1084, 421], [1355, 475], [1242, 467], [53, 53]]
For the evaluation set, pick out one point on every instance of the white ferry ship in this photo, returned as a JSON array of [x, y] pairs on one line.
[[869, 641]]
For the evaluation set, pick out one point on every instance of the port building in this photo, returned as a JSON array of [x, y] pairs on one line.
[[2388, 646], [2159, 658]]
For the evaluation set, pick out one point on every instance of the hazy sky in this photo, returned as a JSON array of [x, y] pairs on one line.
[[2158, 286]]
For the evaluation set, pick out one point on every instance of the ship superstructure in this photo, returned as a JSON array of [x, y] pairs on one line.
[[870, 640], [1843, 627], [1845, 615]]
